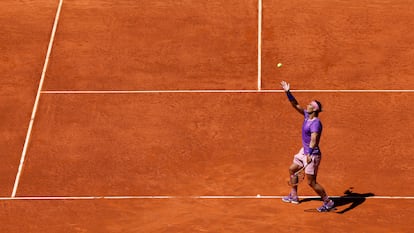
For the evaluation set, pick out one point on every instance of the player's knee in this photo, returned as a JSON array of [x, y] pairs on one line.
[[293, 168]]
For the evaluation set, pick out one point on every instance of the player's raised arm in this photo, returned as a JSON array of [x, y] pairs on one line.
[[291, 98]]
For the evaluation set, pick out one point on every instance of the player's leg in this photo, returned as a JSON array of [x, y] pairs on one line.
[[298, 163], [316, 186], [328, 204], [311, 175], [293, 195], [294, 167]]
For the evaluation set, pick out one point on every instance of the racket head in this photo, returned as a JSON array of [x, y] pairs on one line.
[[297, 178]]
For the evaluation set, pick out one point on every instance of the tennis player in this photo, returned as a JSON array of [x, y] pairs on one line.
[[309, 153]]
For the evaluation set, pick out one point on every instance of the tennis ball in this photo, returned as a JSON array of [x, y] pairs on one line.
[[279, 65], [258, 195]]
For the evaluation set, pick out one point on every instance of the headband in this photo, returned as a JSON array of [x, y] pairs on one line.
[[315, 106]]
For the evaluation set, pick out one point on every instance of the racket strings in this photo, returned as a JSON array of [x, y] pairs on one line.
[[296, 178]]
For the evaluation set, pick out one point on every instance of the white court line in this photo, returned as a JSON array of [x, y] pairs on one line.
[[259, 44], [219, 91], [50, 198], [36, 103]]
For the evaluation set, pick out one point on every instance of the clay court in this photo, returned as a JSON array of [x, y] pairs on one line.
[[167, 116]]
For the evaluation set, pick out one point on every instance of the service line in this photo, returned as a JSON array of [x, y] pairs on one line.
[[259, 44]]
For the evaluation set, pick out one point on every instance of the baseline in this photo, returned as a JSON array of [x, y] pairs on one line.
[[222, 91], [189, 197]]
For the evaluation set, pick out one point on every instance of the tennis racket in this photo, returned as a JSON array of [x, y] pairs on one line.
[[298, 176]]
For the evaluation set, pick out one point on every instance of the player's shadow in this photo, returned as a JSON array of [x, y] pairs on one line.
[[350, 198]]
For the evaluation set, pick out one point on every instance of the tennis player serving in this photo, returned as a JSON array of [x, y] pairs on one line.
[[309, 156]]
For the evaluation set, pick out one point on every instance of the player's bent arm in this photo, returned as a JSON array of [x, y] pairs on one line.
[[313, 143], [314, 140]]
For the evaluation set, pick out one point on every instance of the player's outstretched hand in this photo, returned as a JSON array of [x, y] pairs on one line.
[[285, 86]]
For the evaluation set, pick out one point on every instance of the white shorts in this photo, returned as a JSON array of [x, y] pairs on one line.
[[301, 160]]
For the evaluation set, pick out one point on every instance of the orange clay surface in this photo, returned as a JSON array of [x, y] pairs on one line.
[[204, 144]]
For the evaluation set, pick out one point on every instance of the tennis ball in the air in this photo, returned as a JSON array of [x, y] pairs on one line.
[[279, 65]]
